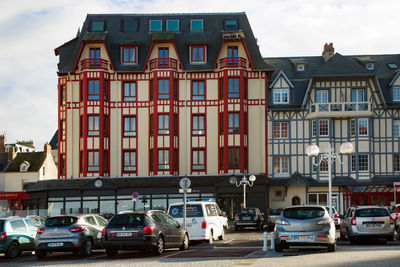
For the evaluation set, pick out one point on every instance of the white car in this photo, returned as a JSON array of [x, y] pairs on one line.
[[204, 220]]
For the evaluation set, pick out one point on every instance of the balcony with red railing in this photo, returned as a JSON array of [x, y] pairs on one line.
[[163, 63], [94, 64], [232, 62]]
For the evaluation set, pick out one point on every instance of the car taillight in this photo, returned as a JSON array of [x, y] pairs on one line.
[[326, 221], [336, 215], [148, 230], [391, 220], [3, 236], [282, 222], [77, 229], [40, 231], [204, 225], [353, 221], [104, 232]]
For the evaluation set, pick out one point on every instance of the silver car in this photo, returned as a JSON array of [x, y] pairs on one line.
[[367, 221], [76, 233], [305, 226]]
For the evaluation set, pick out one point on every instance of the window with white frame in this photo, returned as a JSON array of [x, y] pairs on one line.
[[281, 165], [363, 163], [321, 96], [396, 128], [362, 127], [314, 128], [280, 129], [300, 67], [396, 93], [323, 166], [352, 127], [370, 66], [281, 96], [317, 199], [323, 127]]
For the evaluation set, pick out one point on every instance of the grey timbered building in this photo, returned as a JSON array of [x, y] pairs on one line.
[[332, 99]]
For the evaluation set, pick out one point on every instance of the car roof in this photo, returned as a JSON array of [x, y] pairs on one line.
[[367, 207], [193, 202], [305, 206]]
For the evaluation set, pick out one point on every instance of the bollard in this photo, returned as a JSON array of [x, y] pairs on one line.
[[272, 240], [265, 247]]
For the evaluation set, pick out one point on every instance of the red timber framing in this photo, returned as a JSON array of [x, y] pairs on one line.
[[168, 106], [227, 105], [369, 195], [62, 117]]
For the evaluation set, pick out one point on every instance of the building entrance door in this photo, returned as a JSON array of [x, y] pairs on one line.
[[229, 203]]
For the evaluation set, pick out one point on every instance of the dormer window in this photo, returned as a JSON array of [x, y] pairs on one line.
[[198, 53], [230, 25], [155, 25], [392, 66], [24, 166], [173, 25], [97, 26], [129, 54], [396, 93], [300, 67], [281, 96], [196, 25], [130, 26], [370, 66]]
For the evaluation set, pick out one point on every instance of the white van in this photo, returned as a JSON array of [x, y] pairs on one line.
[[204, 220]]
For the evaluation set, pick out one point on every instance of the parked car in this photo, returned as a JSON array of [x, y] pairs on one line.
[[273, 214], [17, 235], [367, 222], [37, 218], [305, 225], [151, 230], [204, 220], [249, 217], [335, 217], [76, 233]]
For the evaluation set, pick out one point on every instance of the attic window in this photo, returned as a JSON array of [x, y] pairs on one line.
[[230, 25], [97, 26], [155, 25], [392, 66], [370, 66], [196, 25], [130, 26], [300, 67], [24, 166], [173, 25]]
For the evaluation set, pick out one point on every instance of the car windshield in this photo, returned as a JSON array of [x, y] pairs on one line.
[[247, 211], [127, 220], [275, 212], [60, 221], [372, 212], [176, 211], [303, 213]]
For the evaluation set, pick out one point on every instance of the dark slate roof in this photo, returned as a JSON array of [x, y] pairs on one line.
[[337, 66], [3, 160], [114, 37], [54, 141], [35, 160]]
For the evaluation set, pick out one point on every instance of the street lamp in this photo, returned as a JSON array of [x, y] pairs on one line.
[[245, 182], [329, 156]]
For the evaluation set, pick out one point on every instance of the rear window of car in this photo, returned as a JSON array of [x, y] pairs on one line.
[[303, 213], [1, 226], [60, 221], [131, 220], [275, 212], [372, 212], [18, 225], [176, 211], [247, 211]]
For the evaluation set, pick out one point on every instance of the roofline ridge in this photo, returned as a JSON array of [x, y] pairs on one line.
[[166, 14]]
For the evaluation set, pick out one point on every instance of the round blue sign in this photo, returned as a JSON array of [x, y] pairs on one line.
[[174, 211], [135, 195]]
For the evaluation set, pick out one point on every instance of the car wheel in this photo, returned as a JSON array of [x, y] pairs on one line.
[[12, 250], [158, 250], [111, 252], [211, 237], [185, 243], [278, 248], [332, 247], [87, 248], [222, 236], [40, 254]]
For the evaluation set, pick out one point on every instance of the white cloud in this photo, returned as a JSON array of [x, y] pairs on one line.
[[31, 30]]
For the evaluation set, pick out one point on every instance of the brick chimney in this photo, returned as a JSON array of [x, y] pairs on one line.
[[328, 52], [47, 149], [11, 153], [2, 143]]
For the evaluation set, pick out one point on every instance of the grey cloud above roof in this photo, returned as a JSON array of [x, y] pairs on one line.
[[114, 36]]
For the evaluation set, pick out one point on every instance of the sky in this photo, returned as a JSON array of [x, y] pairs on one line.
[[31, 30]]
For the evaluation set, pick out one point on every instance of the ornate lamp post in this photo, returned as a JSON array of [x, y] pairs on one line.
[[330, 157], [244, 182]]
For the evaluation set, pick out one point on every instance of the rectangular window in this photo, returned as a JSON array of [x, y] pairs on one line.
[[129, 161], [173, 25], [352, 127], [198, 125], [129, 54], [221, 123], [196, 25], [233, 87], [198, 53], [62, 125], [93, 90], [198, 90], [97, 26], [163, 159], [233, 122], [221, 158], [105, 89], [230, 25], [324, 128], [396, 128], [129, 91], [130, 126], [362, 127], [323, 167], [93, 126], [362, 160], [314, 128], [234, 158], [198, 159], [155, 25], [93, 161], [396, 93], [280, 129], [163, 124], [163, 92], [105, 126], [62, 164], [358, 95], [94, 56], [130, 26], [396, 162], [62, 95], [105, 161], [281, 165], [281, 96], [321, 96]]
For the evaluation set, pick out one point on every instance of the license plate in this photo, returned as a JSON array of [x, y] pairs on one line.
[[246, 218], [372, 225], [126, 234], [303, 237], [55, 245]]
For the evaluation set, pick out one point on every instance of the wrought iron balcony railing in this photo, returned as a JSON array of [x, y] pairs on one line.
[[163, 63], [94, 64], [232, 62]]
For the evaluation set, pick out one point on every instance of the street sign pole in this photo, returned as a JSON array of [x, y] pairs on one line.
[[184, 207], [134, 204], [135, 196], [184, 183]]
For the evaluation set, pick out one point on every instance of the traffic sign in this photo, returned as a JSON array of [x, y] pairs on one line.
[[182, 190], [135, 195], [185, 183]]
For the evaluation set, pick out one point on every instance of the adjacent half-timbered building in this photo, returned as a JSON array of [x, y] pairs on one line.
[[332, 99]]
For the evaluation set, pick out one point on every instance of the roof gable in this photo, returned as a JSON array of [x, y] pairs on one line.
[[339, 65], [35, 160], [281, 75]]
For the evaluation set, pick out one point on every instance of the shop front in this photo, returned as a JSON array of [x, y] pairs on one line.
[[13, 203]]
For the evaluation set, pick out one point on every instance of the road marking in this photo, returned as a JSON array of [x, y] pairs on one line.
[[229, 241], [177, 253]]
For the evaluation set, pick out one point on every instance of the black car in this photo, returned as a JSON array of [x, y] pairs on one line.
[[151, 231], [249, 217]]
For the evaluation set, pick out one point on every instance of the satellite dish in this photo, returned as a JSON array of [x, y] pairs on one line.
[[312, 150]]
